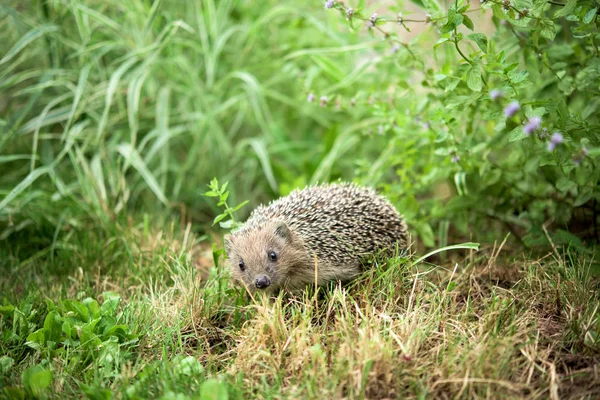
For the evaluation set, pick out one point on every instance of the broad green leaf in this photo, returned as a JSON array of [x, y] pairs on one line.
[[212, 389], [589, 16], [454, 20], [480, 39], [13, 393], [474, 81], [6, 364], [92, 306], [110, 304], [36, 379], [53, 327], [517, 134], [190, 366], [566, 10], [547, 28]]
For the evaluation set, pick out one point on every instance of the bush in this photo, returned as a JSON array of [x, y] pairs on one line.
[[508, 120]]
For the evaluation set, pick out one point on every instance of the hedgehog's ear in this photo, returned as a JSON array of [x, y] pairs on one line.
[[283, 231]]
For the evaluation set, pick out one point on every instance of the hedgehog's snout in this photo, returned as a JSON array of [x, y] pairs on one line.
[[262, 282]]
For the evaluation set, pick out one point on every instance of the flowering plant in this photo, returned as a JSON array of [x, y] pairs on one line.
[[508, 120]]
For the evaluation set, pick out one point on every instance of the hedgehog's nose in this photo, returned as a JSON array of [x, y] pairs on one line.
[[262, 282]]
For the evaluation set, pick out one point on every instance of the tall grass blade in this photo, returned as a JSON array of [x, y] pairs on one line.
[[132, 157], [29, 37]]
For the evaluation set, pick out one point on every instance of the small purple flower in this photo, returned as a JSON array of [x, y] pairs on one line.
[[370, 24], [532, 125], [329, 4], [495, 94], [555, 140], [511, 109], [373, 18], [455, 158], [311, 97], [395, 48], [323, 101]]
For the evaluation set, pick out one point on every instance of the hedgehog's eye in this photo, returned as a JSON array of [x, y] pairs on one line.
[[242, 265], [272, 256]]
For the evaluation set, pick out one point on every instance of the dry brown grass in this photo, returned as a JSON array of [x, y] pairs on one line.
[[492, 327]]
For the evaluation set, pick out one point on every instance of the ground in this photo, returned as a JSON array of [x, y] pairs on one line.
[[491, 323]]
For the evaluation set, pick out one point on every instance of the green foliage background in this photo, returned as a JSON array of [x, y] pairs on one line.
[[112, 108]]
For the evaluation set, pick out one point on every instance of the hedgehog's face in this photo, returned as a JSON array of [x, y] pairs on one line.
[[262, 257]]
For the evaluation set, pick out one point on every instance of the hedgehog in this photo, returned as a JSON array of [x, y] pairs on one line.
[[315, 235]]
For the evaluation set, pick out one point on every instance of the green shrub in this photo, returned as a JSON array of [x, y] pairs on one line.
[[508, 120]]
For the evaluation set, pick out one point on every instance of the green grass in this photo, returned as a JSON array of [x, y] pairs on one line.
[[114, 117], [489, 325]]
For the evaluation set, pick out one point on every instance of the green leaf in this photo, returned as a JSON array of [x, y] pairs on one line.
[[589, 16], [454, 20], [227, 224], [474, 81], [480, 39], [564, 184], [110, 304], [77, 309], [190, 366], [517, 134], [242, 204], [13, 393], [96, 393], [566, 10], [6, 364], [7, 310], [212, 389], [92, 306], [211, 193], [36, 340], [53, 327], [467, 22], [219, 218], [547, 28], [36, 379], [518, 77]]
